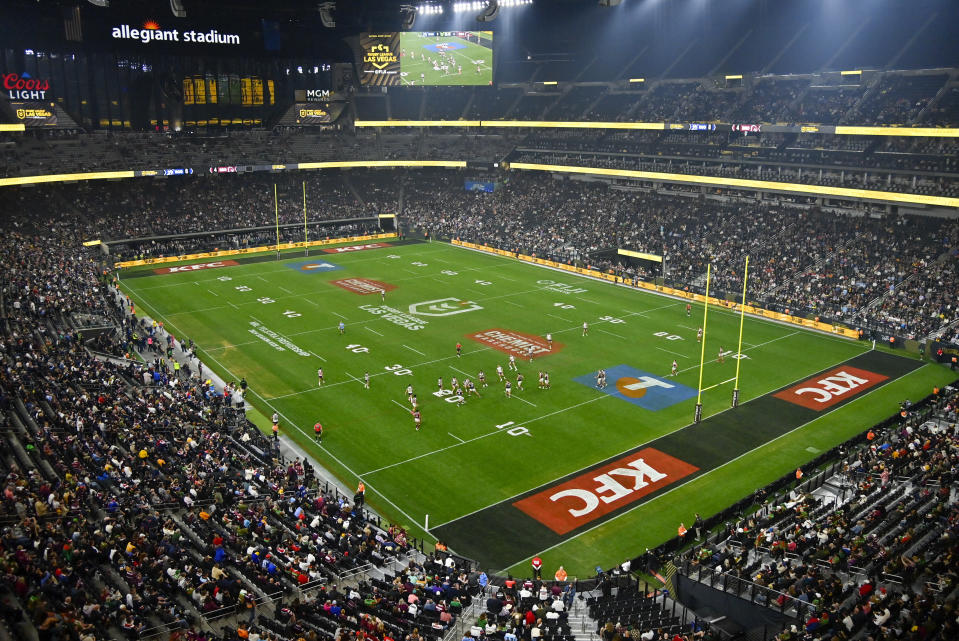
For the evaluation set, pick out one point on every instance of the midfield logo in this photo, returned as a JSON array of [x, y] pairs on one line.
[[313, 266], [443, 307]]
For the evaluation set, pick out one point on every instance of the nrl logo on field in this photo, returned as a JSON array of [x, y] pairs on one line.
[[443, 307]]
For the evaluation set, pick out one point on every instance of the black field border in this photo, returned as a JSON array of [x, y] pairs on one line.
[[502, 535]]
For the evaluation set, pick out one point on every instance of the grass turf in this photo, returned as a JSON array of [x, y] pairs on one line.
[[461, 461]]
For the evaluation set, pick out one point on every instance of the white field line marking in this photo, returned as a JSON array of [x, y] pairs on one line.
[[692, 329], [659, 496], [354, 378], [311, 302], [728, 380], [401, 405], [611, 333], [213, 292], [372, 330], [456, 437], [232, 305], [414, 350], [340, 315], [586, 300], [663, 349], [263, 279], [460, 371], [566, 320], [524, 400], [284, 289], [315, 389], [318, 356], [509, 302], [443, 449]]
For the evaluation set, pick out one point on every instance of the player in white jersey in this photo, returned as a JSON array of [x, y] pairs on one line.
[[529, 353], [319, 377], [585, 328], [512, 362], [482, 378], [439, 384], [499, 372], [366, 380], [409, 393], [699, 335], [454, 383], [675, 368], [541, 386], [549, 340]]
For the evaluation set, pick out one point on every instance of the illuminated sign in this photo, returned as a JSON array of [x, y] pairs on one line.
[[747, 128], [23, 87], [223, 170], [177, 172], [151, 32], [318, 94], [701, 126], [314, 113]]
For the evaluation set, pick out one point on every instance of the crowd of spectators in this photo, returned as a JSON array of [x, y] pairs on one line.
[[875, 559], [136, 502]]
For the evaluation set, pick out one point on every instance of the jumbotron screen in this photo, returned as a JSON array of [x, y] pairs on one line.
[[426, 58]]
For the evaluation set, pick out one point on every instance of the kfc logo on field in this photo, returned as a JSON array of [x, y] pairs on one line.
[[510, 341], [363, 286], [354, 248], [195, 267], [830, 388], [587, 497]]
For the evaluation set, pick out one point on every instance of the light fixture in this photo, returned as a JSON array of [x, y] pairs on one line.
[[610, 3], [99, 3], [489, 13], [176, 6], [429, 9], [326, 10], [408, 13]]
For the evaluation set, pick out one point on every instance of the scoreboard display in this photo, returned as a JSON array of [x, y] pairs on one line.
[[426, 58]]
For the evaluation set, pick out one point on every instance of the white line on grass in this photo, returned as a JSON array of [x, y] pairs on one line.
[[524, 400], [400, 405], [318, 356], [459, 370], [662, 349], [372, 330], [559, 317], [284, 289], [213, 292], [414, 350], [232, 305], [611, 333], [733, 460], [263, 279], [354, 378], [728, 380], [456, 437], [509, 302], [340, 315], [692, 329]]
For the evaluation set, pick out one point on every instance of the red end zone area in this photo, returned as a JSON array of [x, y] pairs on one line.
[[585, 498], [825, 390], [363, 286], [195, 267], [510, 341]]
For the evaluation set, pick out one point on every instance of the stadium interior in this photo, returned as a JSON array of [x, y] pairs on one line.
[[649, 144]]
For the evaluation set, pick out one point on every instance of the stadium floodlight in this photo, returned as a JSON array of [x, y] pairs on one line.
[[408, 13], [326, 10], [99, 3], [429, 9], [489, 13], [176, 6], [610, 3]]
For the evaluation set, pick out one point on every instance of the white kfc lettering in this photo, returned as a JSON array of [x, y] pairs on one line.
[[609, 489], [836, 385]]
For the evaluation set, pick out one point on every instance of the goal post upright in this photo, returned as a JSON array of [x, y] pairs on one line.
[[702, 352], [739, 346]]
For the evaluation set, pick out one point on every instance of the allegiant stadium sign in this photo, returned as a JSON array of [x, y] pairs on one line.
[[151, 32]]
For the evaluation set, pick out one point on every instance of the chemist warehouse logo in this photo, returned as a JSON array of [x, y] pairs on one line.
[[151, 32], [587, 497], [825, 390]]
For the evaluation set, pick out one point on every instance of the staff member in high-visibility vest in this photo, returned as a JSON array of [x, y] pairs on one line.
[[681, 531], [561, 575], [360, 497]]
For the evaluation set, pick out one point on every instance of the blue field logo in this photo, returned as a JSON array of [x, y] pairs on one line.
[[444, 46], [640, 388], [313, 266]]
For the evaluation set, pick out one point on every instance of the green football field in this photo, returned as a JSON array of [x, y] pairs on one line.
[[467, 63], [485, 473]]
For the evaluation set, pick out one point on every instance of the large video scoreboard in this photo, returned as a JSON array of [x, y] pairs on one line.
[[426, 58]]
